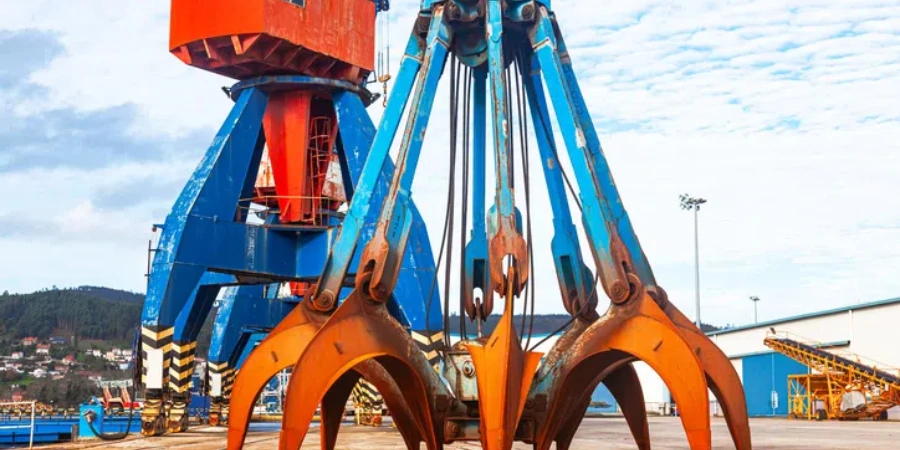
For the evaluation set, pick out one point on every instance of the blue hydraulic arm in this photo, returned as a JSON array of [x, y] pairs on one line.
[[341, 254], [338, 261], [616, 250], [383, 253], [505, 239], [417, 271], [477, 274], [574, 278]]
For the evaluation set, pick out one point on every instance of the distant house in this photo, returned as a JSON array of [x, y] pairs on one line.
[[39, 373], [117, 351], [110, 356], [43, 349], [69, 360], [126, 353], [17, 355], [18, 396], [123, 366], [97, 353], [29, 341], [58, 340]]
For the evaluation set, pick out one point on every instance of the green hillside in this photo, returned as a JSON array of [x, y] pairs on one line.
[[67, 312]]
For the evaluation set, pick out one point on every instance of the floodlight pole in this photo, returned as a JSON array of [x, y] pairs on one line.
[[693, 203], [755, 300]]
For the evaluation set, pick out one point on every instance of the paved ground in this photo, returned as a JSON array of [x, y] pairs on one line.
[[610, 433]]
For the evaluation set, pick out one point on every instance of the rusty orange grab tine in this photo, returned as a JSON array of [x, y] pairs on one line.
[[358, 331]]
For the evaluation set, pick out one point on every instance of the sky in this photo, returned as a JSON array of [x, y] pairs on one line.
[[785, 115]]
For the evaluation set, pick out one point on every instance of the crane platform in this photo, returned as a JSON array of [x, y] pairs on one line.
[[840, 385]]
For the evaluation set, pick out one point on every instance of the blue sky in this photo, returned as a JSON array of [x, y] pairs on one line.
[[784, 114]]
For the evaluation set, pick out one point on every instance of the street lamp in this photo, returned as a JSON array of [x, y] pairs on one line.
[[755, 300], [693, 203]]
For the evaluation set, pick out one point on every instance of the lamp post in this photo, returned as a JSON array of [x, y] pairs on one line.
[[755, 300], [693, 203]]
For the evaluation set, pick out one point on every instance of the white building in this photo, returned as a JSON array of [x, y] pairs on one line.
[[864, 329]]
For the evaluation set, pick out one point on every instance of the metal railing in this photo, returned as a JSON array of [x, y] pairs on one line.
[[33, 406]]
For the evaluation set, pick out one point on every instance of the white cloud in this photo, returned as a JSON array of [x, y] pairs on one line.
[[783, 114]]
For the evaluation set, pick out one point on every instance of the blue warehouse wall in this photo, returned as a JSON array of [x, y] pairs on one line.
[[602, 394], [763, 374]]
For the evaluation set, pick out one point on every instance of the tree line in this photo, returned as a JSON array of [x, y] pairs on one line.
[[67, 312]]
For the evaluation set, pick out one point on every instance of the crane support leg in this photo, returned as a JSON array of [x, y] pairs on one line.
[[184, 346], [242, 312], [216, 183], [174, 360]]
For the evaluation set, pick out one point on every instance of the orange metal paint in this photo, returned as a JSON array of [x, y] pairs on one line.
[[504, 377], [281, 349], [360, 330], [278, 351], [247, 38], [507, 242], [637, 329], [625, 387], [300, 148], [286, 125], [723, 380]]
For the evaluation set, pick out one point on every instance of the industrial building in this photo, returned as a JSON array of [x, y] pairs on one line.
[[863, 329]]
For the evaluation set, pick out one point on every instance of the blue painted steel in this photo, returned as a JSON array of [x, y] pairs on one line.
[[382, 5], [272, 252], [212, 192], [252, 341], [276, 253], [198, 306], [602, 174], [575, 280], [504, 200], [242, 311], [84, 429], [417, 271], [396, 218], [602, 395], [249, 189], [293, 82], [603, 215], [342, 252], [199, 404], [764, 374], [477, 274]]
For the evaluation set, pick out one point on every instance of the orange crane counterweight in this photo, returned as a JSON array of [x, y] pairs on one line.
[[243, 39]]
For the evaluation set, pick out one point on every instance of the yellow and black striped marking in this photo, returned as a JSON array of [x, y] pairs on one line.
[[181, 370], [156, 343], [430, 346], [221, 379], [368, 403]]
